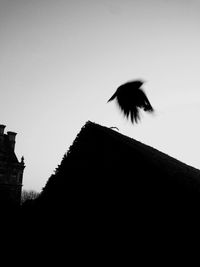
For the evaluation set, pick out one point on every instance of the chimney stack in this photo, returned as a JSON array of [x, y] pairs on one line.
[[2, 127], [11, 139]]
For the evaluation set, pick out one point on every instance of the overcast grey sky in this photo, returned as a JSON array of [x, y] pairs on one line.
[[60, 61]]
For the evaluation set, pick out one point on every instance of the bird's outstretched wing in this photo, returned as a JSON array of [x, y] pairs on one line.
[[112, 97]]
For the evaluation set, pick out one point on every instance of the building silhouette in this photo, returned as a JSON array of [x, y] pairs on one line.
[[112, 194], [11, 170]]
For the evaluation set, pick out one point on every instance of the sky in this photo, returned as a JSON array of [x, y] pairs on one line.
[[61, 60]]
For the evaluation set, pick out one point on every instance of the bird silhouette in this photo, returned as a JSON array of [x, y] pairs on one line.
[[131, 99]]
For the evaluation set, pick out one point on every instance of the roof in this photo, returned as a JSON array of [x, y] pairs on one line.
[[102, 157], [101, 135], [107, 177]]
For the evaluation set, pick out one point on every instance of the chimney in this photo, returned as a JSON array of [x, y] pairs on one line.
[[11, 139], [2, 127]]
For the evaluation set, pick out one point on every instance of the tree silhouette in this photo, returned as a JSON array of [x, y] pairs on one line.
[[131, 98]]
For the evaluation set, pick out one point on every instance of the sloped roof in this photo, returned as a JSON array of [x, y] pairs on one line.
[[104, 134], [106, 175], [104, 156]]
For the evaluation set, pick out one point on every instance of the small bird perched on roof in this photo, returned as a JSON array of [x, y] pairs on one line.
[[131, 98]]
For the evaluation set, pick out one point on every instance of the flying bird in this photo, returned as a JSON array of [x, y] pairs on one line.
[[131, 99]]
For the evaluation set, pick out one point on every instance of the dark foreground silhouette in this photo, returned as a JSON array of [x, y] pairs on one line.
[[131, 98], [112, 193]]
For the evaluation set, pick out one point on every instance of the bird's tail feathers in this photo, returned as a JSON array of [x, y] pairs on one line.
[[148, 108], [147, 105]]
